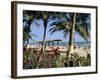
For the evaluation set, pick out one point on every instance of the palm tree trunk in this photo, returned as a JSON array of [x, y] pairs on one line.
[[71, 37], [43, 44], [44, 36]]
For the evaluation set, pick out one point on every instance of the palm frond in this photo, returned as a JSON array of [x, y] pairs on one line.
[[37, 23], [55, 29], [82, 31], [58, 22], [84, 19], [60, 25], [69, 17], [65, 32]]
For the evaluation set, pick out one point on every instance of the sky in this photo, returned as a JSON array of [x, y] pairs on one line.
[[38, 31]]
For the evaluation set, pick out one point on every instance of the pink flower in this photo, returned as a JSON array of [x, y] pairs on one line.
[[50, 65]]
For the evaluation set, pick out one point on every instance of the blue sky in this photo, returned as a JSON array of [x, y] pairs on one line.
[[38, 31]]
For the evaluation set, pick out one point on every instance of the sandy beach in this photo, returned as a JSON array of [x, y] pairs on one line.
[[82, 51]]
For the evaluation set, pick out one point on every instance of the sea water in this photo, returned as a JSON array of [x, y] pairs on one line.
[[62, 43], [66, 44]]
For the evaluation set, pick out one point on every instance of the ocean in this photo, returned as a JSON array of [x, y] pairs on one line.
[[66, 44], [61, 43]]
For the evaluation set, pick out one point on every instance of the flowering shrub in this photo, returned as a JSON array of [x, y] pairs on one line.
[[33, 58], [85, 61], [47, 60]]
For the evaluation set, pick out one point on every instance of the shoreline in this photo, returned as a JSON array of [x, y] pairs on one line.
[[81, 51]]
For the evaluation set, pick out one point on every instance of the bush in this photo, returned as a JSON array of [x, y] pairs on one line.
[[47, 60], [35, 59]]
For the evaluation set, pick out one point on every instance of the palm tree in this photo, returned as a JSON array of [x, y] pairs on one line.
[[27, 21], [26, 30], [38, 15], [46, 17], [71, 38], [70, 23]]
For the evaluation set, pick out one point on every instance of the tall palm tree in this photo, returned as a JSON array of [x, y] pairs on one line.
[[45, 16], [37, 15], [27, 21], [71, 23], [26, 30], [71, 36]]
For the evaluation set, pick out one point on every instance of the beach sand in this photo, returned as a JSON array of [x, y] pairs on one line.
[[82, 51]]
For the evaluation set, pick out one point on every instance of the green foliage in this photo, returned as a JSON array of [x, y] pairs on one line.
[[78, 60], [29, 59], [46, 60], [53, 61], [85, 61], [60, 22], [64, 23]]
